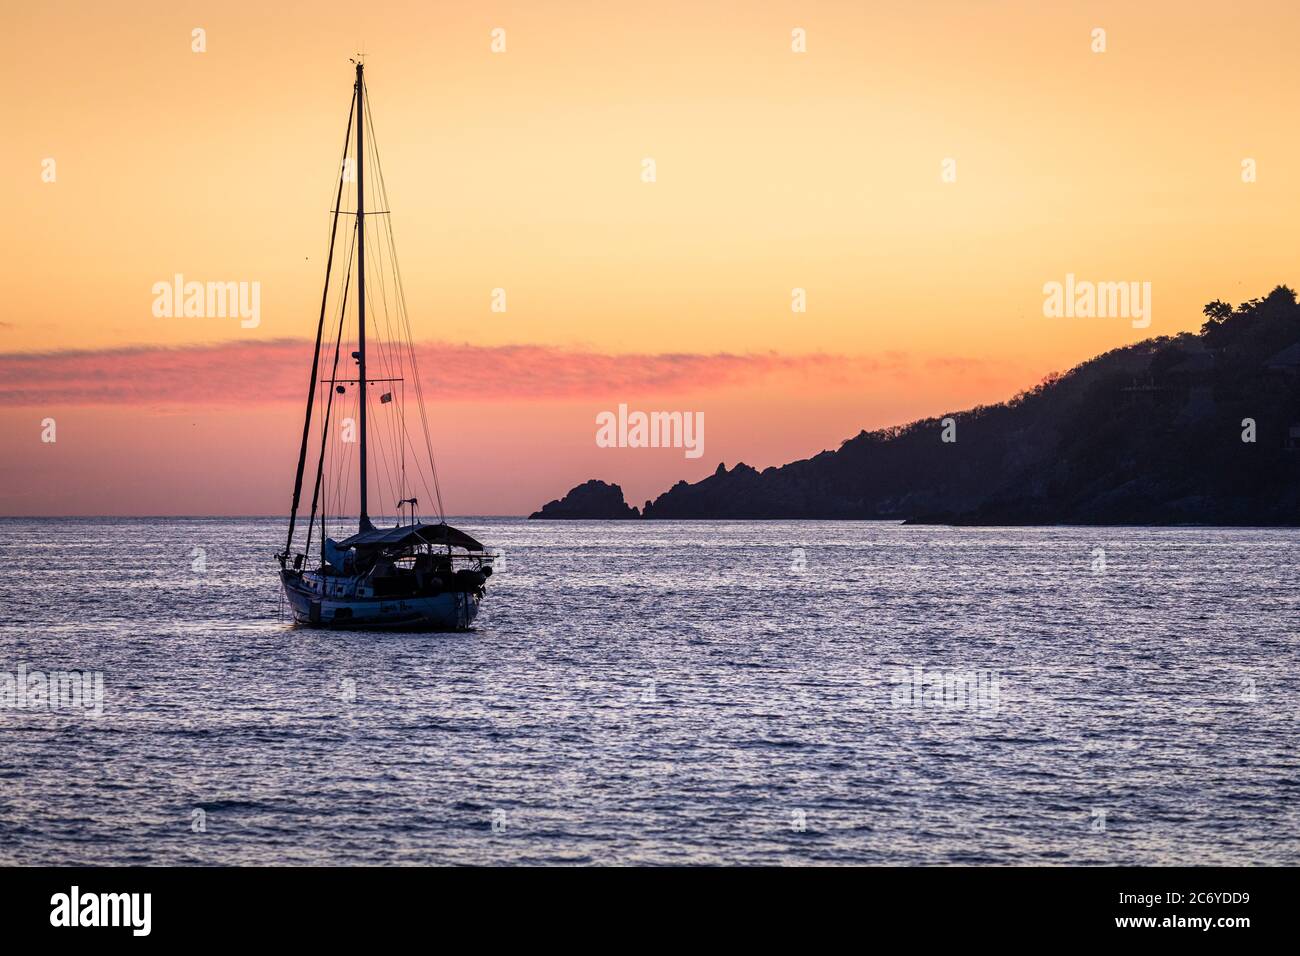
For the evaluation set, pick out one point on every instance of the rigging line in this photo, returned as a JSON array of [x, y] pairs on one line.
[[401, 421], [385, 482], [321, 469], [392, 472], [390, 352], [394, 337], [322, 494], [420, 472], [351, 455], [436, 491], [396, 370], [315, 363], [429, 496], [395, 355], [321, 488], [383, 347], [345, 457], [386, 346], [388, 441], [424, 417], [388, 341], [393, 370], [320, 463], [419, 390], [387, 235], [392, 446], [383, 295], [391, 339], [403, 310], [321, 491], [324, 465], [405, 315], [397, 441], [380, 423]]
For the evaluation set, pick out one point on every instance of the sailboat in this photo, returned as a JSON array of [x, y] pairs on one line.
[[414, 576]]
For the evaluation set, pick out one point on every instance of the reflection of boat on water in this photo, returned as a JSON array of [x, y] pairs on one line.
[[415, 576]]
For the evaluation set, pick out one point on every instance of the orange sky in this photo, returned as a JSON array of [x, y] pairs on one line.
[[521, 170]]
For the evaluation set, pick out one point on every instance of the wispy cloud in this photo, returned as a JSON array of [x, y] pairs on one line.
[[271, 371]]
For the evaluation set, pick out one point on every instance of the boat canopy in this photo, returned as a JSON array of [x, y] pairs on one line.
[[411, 534]]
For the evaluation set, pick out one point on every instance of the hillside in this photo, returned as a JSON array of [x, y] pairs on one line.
[[1151, 433]]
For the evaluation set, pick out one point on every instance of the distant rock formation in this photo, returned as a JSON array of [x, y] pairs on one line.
[[1188, 429], [595, 499]]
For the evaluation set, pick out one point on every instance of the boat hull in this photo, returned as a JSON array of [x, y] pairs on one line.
[[447, 611]]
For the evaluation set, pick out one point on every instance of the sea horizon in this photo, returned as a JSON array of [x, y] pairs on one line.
[[452, 518]]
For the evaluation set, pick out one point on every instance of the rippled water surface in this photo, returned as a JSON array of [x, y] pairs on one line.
[[665, 692]]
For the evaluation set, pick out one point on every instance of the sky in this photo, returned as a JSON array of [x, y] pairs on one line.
[[920, 169]]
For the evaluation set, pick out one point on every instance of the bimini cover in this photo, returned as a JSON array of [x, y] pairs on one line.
[[410, 534], [339, 558]]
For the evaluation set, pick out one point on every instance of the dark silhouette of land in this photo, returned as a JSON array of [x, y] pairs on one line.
[[1153, 433], [595, 499]]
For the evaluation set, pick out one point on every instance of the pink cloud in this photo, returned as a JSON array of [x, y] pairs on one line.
[[236, 373]]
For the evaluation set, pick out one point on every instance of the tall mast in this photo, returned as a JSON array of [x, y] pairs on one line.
[[361, 280]]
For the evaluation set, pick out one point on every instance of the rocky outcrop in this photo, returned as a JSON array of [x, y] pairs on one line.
[[595, 499]]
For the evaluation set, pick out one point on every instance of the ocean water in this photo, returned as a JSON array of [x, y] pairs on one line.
[[663, 692]]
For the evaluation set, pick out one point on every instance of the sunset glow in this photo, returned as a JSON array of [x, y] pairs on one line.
[[522, 170]]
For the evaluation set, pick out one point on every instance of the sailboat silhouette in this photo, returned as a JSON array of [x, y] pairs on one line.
[[414, 576]]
